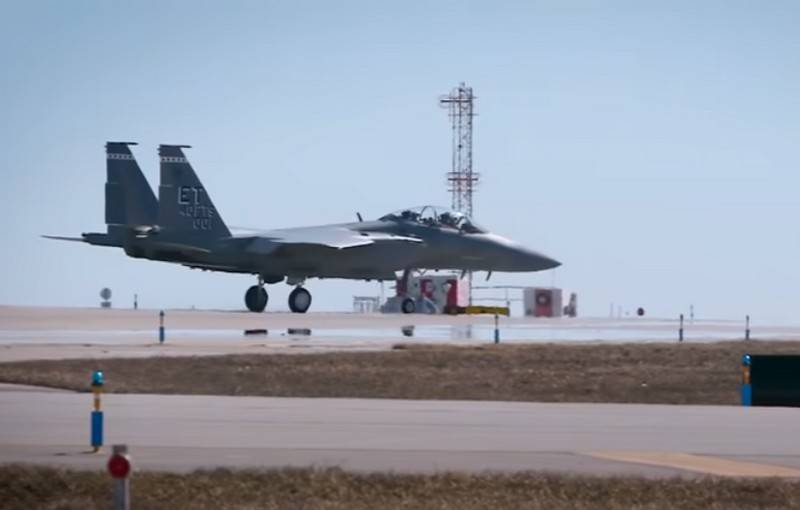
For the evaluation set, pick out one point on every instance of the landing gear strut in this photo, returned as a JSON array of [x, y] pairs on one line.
[[256, 298], [299, 300], [407, 305]]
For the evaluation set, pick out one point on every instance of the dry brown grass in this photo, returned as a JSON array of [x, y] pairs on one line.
[[24, 487], [646, 373]]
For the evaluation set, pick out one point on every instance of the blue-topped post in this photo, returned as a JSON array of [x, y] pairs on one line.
[[98, 380], [747, 389], [161, 327]]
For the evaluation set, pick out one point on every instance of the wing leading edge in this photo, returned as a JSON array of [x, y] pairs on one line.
[[334, 238]]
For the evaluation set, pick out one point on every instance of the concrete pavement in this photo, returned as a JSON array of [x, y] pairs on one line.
[[61, 333], [180, 433]]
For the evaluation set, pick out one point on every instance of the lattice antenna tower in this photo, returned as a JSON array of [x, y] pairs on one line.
[[461, 179]]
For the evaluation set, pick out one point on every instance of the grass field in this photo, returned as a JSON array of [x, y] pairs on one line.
[[701, 373], [25, 487]]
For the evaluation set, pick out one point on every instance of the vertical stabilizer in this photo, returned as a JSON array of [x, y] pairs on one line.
[[185, 209], [129, 199]]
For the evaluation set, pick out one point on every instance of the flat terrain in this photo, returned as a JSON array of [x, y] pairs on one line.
[[416, 405], [28, 333], [24, 487], [689, 373], [181, 433]]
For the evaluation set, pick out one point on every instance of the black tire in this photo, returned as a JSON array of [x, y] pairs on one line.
[[299, 300], [256, 299], [408, 306]]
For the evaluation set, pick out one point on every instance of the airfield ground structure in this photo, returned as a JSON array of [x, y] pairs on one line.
[[461, 179]]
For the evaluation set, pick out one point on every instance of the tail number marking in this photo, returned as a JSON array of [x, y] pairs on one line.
[[192, 204]]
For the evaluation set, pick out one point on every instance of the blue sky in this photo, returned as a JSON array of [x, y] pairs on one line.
[[652, 147]]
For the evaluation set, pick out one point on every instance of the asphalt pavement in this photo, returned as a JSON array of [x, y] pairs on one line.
[[183, 433]]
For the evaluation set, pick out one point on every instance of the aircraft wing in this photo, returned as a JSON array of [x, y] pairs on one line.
[[215, 267], [338, 238]]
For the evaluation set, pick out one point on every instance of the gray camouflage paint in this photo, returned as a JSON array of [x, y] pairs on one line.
[[185, 227]]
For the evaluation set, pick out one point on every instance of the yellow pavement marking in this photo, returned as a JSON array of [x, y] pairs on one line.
[[699, 463]]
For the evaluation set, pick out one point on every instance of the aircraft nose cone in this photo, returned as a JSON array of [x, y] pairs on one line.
[[529, 260], [538, 262], [508, 255], [548, 262]]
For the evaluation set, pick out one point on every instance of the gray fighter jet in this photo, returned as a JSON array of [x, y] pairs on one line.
[[183, 226]]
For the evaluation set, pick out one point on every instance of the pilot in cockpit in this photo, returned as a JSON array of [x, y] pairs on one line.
[[448, 220], [409, 215]]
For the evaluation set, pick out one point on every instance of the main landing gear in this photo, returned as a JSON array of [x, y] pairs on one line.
[[299, 300], [256, 298]]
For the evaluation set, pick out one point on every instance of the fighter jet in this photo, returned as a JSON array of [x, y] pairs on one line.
[[184, 227]]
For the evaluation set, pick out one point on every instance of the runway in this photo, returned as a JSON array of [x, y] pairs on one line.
[[60, 333], [181, 433]]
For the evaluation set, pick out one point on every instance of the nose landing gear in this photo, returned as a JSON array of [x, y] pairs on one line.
[[408, 305]]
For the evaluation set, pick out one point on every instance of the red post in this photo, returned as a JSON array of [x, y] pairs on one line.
[[119, 467]]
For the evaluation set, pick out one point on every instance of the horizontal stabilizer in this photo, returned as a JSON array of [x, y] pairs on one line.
[[65, 238], [93, 238]]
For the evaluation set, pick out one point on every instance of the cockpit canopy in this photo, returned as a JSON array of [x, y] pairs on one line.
[[435, 216]]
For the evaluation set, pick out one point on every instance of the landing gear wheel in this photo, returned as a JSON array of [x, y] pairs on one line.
[[408, 306], [256, 298], [299, 300]]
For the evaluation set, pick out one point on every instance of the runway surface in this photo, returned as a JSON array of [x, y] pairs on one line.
[[180, 433], [58, 333]]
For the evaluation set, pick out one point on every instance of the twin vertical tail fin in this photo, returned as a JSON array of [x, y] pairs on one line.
[[185, 209], [130, 202]]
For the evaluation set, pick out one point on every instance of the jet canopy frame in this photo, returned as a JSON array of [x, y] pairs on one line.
[[435, 216]]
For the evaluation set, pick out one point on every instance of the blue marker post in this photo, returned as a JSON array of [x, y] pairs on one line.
[[496, 329], [97, 415], [161, 327], [747, 390]]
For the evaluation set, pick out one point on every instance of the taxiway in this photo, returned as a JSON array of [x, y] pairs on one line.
[[61, 333], [182, 433]]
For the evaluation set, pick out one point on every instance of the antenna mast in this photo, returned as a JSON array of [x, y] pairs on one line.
[[461, 180]]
